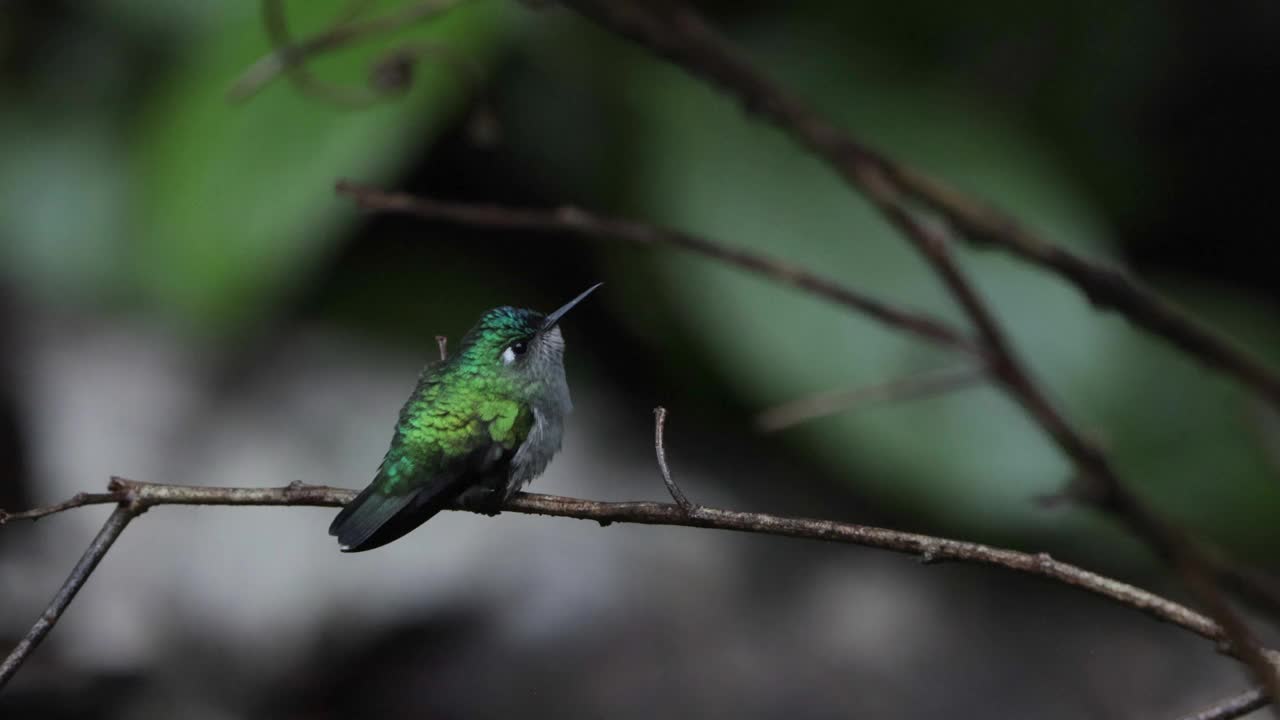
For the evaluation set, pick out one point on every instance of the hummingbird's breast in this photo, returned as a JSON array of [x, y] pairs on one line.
[[550, 404]]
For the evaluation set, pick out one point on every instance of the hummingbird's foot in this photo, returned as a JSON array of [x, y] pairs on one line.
[[486, 503]]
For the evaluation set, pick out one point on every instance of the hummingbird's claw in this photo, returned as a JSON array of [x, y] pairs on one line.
[[489, 503]]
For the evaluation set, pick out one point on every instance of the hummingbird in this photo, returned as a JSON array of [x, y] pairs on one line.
[[478, 427]]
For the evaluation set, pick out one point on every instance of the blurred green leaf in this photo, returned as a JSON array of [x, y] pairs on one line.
[[235, 201]]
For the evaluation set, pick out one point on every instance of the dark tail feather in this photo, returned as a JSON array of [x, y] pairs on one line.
[[374, 519]]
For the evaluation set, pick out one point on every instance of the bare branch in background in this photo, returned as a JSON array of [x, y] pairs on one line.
[[1108, 288], [1233, 707], [135, 498], [577, 222], [289, 57], [831, 402]]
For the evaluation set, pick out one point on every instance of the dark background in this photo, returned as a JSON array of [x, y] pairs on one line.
[[184, 299]]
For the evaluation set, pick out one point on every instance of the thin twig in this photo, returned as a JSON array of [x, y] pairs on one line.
[[275, 21], [676, 32], [577, 222], [660, 449], [830, 402], [78, 500], [443, 342], [106, 537], [1233, 707], [288, 56]]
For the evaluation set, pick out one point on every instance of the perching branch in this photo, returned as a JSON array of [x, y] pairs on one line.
[[134, 498]]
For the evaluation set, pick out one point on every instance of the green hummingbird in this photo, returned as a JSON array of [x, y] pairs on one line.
[[477, 428]]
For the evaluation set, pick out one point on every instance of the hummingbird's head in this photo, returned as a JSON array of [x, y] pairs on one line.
[[518, 340]]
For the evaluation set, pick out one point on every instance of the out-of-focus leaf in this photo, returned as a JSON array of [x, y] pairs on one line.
[[972, 460], [235, 201]]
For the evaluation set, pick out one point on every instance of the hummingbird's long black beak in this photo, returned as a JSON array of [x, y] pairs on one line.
[[554, 317]]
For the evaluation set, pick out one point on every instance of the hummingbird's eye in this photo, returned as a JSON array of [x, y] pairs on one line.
[[513, 351]]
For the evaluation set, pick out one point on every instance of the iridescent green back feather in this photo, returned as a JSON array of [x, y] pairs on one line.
[[464, 421]]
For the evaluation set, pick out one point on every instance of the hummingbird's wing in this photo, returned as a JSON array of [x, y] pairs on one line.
[[445, 442]]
